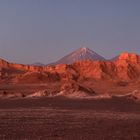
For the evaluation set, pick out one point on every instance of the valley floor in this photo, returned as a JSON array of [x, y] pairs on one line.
[[69, 119]]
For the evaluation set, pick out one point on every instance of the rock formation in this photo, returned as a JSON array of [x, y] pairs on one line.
[[127, 67]]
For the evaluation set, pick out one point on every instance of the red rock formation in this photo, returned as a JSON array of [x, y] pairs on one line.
[[70, 87], [95, 69], [129, 57], [3, 63], [127, 67], [37, 77]]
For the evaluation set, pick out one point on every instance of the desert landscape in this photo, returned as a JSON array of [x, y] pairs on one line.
[[69, 69], [86, 99]]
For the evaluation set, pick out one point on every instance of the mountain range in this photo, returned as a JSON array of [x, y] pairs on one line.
[[81, 54], [84, 63], [87, 73]]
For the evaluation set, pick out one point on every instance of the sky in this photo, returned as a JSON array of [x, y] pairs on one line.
[[46, 30]]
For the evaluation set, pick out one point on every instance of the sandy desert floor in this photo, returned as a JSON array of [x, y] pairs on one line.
[[69, 119]]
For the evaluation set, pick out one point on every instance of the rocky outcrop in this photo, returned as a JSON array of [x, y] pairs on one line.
[[37, 77], [95, 69], [135, 95], [43, 93], [129, 57], [73, 89], [128, 66]]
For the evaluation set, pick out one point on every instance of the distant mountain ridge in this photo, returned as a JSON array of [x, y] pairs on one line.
[[114, 58], [38, 64], [81, 54]]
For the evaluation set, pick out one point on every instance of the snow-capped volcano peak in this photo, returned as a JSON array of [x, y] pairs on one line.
[[84, 49], [83, 53]]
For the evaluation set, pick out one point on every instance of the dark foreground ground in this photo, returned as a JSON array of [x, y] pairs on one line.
[[67, 119]]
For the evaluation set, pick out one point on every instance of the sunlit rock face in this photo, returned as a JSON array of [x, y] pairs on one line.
[[130, 57], [126, 68], [95, 69]]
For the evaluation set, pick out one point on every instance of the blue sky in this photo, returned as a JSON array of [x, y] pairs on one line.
[[45, 30]]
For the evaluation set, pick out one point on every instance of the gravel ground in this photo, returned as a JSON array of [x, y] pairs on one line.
[[67, 119]]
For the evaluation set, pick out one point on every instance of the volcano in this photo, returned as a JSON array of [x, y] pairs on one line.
[[81, 54]]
